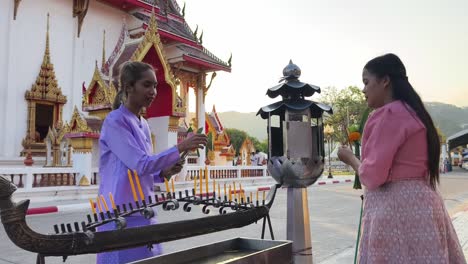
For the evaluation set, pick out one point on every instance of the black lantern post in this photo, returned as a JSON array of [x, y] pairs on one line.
[[296, 151]]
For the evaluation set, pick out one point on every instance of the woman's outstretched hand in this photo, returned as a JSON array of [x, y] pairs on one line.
[[193, 142], [346, 155], [176, 168]]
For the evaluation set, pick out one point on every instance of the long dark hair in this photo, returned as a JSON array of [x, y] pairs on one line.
[[130, 73], [390, 65]]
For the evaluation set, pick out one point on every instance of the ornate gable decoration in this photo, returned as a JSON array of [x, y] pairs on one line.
[[46, 88], [99, 95], [78, 123], [152, 39]]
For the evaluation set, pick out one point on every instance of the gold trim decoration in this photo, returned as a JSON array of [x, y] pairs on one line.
[[173, 123], [56, 135], [45, 91], [15, 10], [103, 63], [151, 39], [77, 123], [84, 181], [82, 145], [103, 95], [80, 9], [46, 88]]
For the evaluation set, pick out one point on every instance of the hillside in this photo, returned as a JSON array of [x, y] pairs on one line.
[[449, 118]]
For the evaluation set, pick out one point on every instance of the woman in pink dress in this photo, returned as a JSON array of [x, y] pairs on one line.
[[404, 219]]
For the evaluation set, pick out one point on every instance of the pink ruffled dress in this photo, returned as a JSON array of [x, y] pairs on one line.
[[404, 219]]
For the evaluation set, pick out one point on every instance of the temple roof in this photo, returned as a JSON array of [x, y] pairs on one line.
[[203, 57], [176, 27], [193, 51]]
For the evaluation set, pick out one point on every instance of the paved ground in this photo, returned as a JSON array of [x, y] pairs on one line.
[[334, 211]]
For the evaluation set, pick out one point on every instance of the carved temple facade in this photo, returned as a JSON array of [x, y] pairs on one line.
[[60, 64]]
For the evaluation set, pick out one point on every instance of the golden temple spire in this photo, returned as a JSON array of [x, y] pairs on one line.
[[103, 50], [46, 59], [153, 24], [46, 86]]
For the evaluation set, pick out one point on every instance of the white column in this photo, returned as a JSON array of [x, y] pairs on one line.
[[201, 119], [82, 162], [159, 128], [10, 135], [6, 17], [75, 96]]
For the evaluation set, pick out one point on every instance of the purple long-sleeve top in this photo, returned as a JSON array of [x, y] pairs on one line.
[[125, 143]]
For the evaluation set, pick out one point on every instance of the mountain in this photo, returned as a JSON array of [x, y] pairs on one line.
[[248, 122], [449, 118]]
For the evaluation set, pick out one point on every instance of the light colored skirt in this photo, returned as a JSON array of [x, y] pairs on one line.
[[406, 222]]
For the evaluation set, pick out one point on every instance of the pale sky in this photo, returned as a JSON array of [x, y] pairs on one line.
[[331, 41]]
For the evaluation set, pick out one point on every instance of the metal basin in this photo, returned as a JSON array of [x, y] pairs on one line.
[[233, 251]]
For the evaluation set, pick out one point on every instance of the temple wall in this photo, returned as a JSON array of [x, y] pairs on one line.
[[22, 47], [6, 18]]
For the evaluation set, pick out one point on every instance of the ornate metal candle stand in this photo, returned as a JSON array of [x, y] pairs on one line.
[[296, 151], [82, 238]]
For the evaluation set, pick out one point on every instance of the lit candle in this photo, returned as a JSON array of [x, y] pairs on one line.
[[172, 183], [111, 197], [214, 187], [93, 208], [219, 190], [132, 185], [166, 183], [240, 192], [104, 202], [137, 180], [194, 185], [206, 181], [99, 204], [201, 183], [235, 193]]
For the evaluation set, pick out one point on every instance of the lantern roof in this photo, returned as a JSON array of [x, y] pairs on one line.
[[290, 86], [279, 108]]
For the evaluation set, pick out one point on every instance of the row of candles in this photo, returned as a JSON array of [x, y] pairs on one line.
[[203, 179], [100, 208], [230, 192]]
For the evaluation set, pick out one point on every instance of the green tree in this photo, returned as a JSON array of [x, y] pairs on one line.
[[237, 138], [260, 146], [348, 106], [209, 145]]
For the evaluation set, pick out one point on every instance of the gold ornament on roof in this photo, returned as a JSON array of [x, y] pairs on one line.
[[151, 39], [78, 123], [46, 88], [98, 90]]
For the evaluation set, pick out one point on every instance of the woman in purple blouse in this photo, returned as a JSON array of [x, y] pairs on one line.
[[125, 143], [404, 218]]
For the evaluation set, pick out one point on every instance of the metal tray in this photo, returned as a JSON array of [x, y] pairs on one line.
[[233, 251]]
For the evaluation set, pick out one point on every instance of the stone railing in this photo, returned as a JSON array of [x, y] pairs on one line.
[[34, 178], [224, 172]]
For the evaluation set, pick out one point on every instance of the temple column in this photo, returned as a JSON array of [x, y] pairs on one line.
[[200, 96], [11, 137], [158, 127], [6, 18], [82, 162]]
